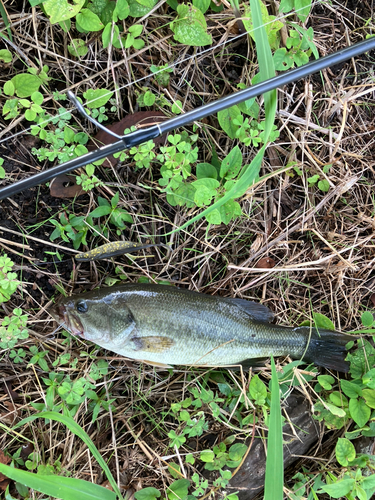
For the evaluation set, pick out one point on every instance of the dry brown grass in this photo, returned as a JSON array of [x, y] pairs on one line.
[[322, 244]]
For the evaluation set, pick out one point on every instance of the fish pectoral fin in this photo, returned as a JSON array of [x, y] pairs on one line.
[[152, 343], [257, 311]]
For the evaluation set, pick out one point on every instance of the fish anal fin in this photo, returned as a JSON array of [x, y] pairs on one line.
[[253, 363], [153, 343], [256, 311]]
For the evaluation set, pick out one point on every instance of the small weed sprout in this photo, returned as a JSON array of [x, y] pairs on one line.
[[13, 327]]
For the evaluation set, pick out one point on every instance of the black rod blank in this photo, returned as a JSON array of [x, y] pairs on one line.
[[143, 135]]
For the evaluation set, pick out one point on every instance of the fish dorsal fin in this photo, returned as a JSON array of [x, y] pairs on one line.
[[257, 311]]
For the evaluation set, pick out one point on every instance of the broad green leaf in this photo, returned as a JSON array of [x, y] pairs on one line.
[[368, 482], [147, 494], [90, 169], [286, 5], [301, 58], [80, 150], [122, 9], [323, 322], [5, 55], [231, 165], [97, 98], [229, 211], [9, 88], [174, 470], [177, 107], [66, 488], [135, 30], [313, 179], [345, 451], [360, 493], [369, 379], [178, 490], [367, 318], [77, 48], [101, 211], [308, 38], [323, 185], [37, 98], [258, 390], [207, 456], [237, 451], [202, 5], [350, 389], [361, 359], [302, 8], [30, 115], [190, 27], [249, 107], [206, 170], [146, 3], [339, 488], [205, 191], [26, 84], [339, 412], [274, 481], [214, 217], [60, 10], [369, 395], [65, 25], [226, 117], [326, 381], [138, 44], [103, 9], [110, 34], [282, 59], [137, 8], [149, 98], [338, 399], [89, 21], [359, 411], [184, 195]]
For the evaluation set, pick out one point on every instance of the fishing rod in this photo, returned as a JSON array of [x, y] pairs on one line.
[[143, 135]]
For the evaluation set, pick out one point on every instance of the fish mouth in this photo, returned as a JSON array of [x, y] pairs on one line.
[[62, 314]]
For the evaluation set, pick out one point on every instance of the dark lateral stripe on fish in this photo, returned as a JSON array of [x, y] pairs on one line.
[[113, 249]]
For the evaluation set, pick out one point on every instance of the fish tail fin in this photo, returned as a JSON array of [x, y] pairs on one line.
[[327, 348]]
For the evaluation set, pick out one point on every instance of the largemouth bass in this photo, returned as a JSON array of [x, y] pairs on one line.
[[166, 325]]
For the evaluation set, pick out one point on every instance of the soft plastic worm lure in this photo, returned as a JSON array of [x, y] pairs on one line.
[[113, 249]]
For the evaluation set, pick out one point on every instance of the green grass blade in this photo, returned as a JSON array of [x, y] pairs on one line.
[[66, 488], [273, 488], [266, 66], [4, 16], [267, 70], [78, 431]]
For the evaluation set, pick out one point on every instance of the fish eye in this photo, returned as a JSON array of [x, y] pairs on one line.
[[81, 306]]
